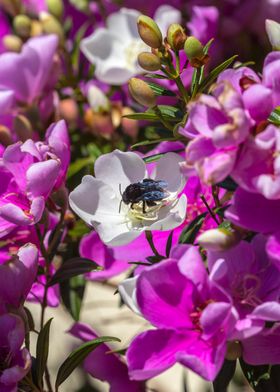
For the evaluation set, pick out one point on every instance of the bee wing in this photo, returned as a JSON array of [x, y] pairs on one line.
[[153, 195]]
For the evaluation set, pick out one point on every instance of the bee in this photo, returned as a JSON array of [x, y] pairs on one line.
[[148, 191]]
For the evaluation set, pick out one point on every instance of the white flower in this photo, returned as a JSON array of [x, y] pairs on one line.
[[98, 100], [127, 290], [273, 32], [99, 200], [114, 49]]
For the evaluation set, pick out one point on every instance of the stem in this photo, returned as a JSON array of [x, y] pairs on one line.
[[48, 379], [149, 238], [215, 194], [209, 209], [182, 89]]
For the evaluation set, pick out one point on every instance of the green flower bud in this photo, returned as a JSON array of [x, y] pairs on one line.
[[22, 127], [22, 25], [12, 43], [55, 8], [176, 36], [194, 51], [149, 31], [142, 92], [5, 136], [149, 61], [51, 25]]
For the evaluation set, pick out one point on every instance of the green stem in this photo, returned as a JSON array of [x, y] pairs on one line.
[[182, 89]]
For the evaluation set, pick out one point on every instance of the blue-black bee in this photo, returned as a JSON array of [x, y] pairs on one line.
[[148, 191]]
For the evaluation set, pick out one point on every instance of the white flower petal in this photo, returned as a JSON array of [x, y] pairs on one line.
[[165, 15], [127, 290], [170, 218], [123, 24], [94, 201], [168, 169], [120, 168], [116, 233]]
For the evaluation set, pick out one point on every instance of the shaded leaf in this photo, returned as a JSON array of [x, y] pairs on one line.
[[160, 90], [169, 244], [78, 356], [228, 184], [224, 376], [189, 233], [42, 352], [262, 378], [155, 76], [72, 293], [73, 267]]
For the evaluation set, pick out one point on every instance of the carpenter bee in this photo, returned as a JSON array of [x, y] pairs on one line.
[[148, 191]]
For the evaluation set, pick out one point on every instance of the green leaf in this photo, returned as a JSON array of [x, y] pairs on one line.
[[42, 352], [263, 378], [30, 320], [215, 73], [228, 184], [274, 117], [160, 90], [78, 165], [148, 142], [169, 244], [72, 294], [79, 229], [77, 357], [224, 376], [169, 112], [155, 76], [73, 267], [189, 233], [153, 158]]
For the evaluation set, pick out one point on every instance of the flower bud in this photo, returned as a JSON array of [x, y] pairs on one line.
[[5, 136], [194, 51], [142, 92], [51, 25], [176, 36], [68, 109], [12, 43], [22, 25], [56, 8], [36, 28], [218, 239], [22, 127], [99, 123], [273, 32], [234, 350], [149, 61], [149, 31]]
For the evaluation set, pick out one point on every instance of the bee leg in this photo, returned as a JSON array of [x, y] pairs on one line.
[[144, 204], [131, 206]]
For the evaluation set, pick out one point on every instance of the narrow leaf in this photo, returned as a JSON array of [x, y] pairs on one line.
[[155, 76], [148, 142], [160, 90], [73, 267], [215, 73], [72, 294], [169, 244], [42, 352], [78, 356], [189, 233]]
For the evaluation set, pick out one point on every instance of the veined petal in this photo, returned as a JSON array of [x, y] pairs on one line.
[[120, 168], [168, 169]]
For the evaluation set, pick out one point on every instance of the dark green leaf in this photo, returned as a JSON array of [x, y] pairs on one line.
[[155, 76], [148, 142], [215, 73], [189, 233], [78, 165], [228, 184], [160, 90], [73, 267], [31, 324], [262, 378], [275, 116], [42, 352], [169, 112], [169, 244], [72, 293], [78, 356], [225, 376], [153, 158]]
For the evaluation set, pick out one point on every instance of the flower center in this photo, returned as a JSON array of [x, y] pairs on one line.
[[245, 290]]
